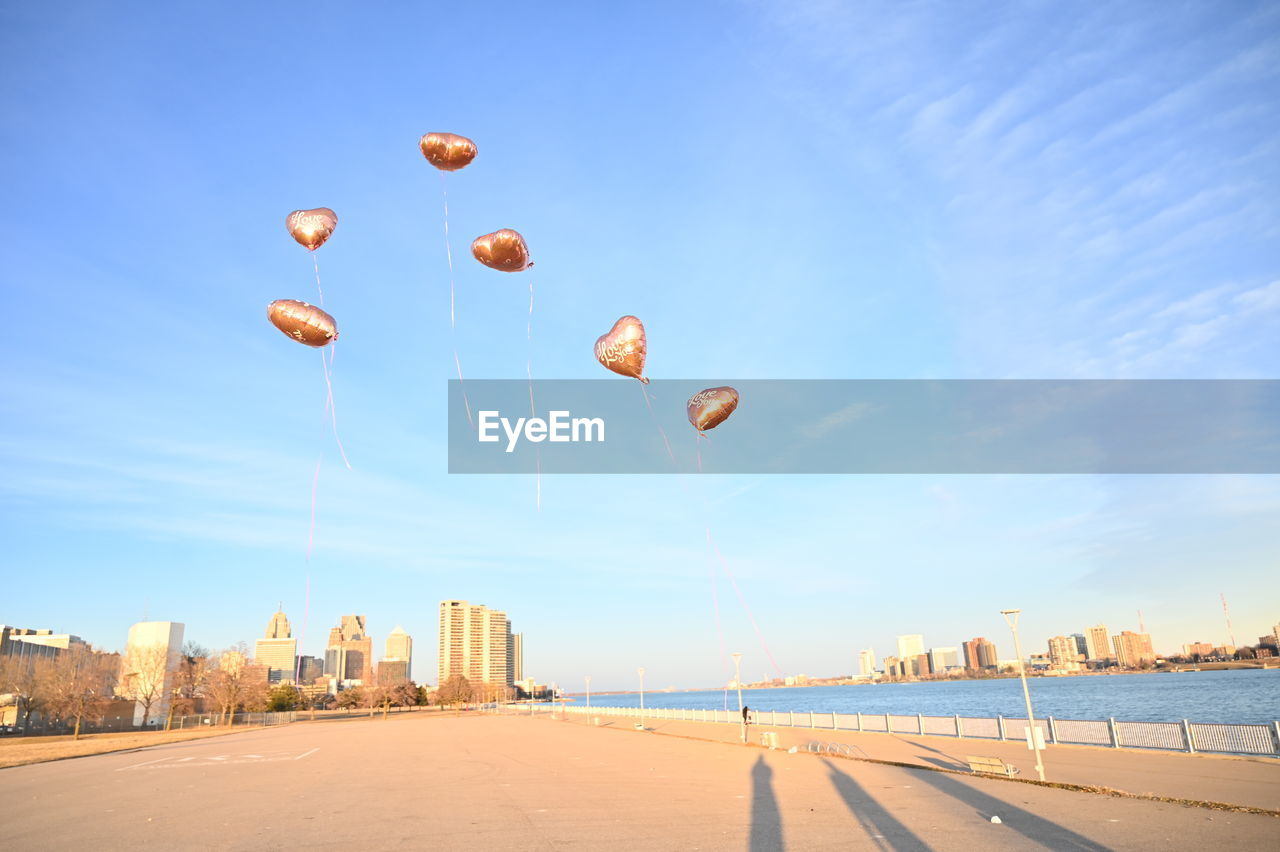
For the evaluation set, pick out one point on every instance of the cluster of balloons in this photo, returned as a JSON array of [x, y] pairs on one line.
[[622, 349]]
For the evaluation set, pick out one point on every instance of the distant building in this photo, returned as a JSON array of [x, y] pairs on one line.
[[149, 667], [1133, 649], [475, 642], [309, 669], [517, 657], [349, 655], [1198, 649], [1064, 653], [894, 667], [392, 671], [979, 653], [1082, 645], [867, 662], [399, 648], [1097, 644], [911, 645], [941, 659], [278, 651], [35, 644], [1224, 651], [919, 666]]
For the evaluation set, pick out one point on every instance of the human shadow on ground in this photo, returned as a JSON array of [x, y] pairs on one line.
[[1033, 827], [766, 820], [885, 830], [955, 762]]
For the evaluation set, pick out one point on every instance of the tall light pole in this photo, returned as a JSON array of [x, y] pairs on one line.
[[641, 673], [1011, 617], [737, 681], [588, 692]]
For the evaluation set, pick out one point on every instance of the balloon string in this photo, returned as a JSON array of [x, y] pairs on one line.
[[742, 600], [698, 446], [330, 407], [528, 369], [657, 423], [315, 261], [453, 321]]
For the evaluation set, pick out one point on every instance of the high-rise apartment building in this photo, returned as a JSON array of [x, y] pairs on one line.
[[149, 666], [349, 656], [1082, 645], [475, 642], [1063, 652], [31, 644], [979, 654], [1133, 649], [867, 662], [277, 652], [911, 645], [1097, 643]]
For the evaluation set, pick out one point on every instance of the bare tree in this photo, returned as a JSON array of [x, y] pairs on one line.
[[80, 683], [349, 698], [236, 683], [25, 679], [189, 681], [144, 674], [456, 690]]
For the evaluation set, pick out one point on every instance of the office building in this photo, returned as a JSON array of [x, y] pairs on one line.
[[392, 671], [399, 649], [149, 667], [475, 642], [1082, 645], [278, 650], [911, 645], [349, 655], [1097, 644], [309, 669], [979, 653]]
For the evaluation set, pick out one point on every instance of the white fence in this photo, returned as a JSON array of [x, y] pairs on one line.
[[1192, 737]]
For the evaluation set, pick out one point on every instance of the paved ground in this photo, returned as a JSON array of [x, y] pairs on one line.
[[1251, 781], [485, 782]]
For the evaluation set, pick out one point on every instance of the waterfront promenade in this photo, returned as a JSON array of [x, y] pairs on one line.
[[513, 782]]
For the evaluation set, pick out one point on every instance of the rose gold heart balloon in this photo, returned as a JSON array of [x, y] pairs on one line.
[[503, 250], [311, 227], [304, 323], [448, 152], [709, 408], [623, 348]]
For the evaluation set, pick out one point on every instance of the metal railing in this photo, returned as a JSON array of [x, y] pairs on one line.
[[1185, 736]]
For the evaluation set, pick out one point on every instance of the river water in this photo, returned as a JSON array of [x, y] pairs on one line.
[[1222, 696]]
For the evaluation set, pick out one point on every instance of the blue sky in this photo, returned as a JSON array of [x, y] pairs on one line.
[[779, 190]]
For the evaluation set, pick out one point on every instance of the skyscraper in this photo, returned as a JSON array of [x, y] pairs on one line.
[[941, 659], [911, 645], [517, 657], [1097, 643], [399, 649], [349, 655], [979, 654], [278, 651], [475, 642]]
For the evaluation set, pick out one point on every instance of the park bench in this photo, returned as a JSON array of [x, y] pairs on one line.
[[991, 766]]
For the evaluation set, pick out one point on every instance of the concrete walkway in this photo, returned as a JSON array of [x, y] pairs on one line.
[[510, 783], [1248, 781]]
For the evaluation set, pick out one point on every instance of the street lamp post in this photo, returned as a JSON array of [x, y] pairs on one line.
[[588, 678], [641, 673], [737, 681], [1011, 617]]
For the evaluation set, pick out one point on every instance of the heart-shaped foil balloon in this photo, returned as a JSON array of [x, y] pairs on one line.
[[302, 322], [623, 348], [311, 227], [711, 407], [448, 152], [503, 250]]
